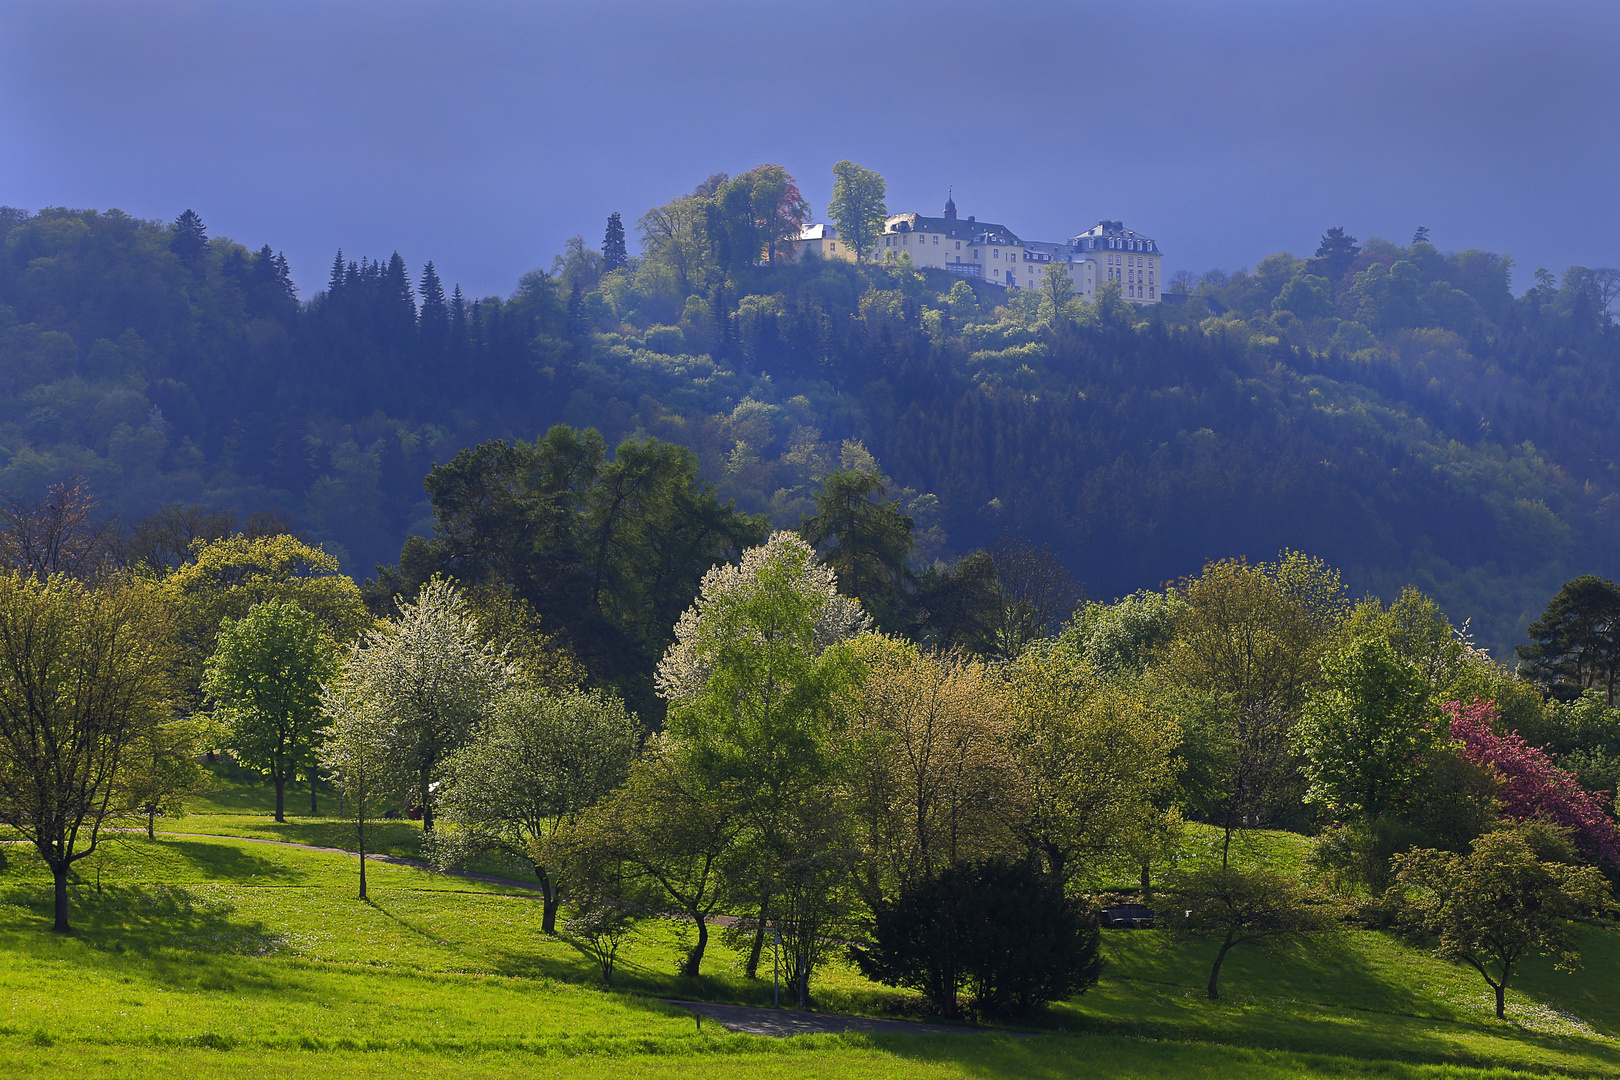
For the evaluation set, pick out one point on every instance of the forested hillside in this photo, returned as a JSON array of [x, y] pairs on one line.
[[1394, 410]]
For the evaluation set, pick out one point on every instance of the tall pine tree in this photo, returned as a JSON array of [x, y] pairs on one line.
[[614, 255], [434, 318], [188, 239]]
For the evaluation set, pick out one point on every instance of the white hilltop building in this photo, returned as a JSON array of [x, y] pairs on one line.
[[994, 253]]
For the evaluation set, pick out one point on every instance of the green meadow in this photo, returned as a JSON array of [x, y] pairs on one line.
[[214, 955]]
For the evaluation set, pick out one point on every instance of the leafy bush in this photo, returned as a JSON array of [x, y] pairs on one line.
[[1003, 930]]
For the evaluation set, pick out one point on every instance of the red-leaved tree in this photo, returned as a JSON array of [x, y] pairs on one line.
[[1532, 786]]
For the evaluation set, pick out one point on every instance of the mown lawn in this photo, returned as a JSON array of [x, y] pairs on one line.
[[214, 956]]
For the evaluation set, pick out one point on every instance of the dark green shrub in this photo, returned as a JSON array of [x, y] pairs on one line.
[[1004, 931]]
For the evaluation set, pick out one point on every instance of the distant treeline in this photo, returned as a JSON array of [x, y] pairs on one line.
[[1393, 409]]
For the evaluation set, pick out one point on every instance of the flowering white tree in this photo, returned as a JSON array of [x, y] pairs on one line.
[[759, 685], [431, 679]]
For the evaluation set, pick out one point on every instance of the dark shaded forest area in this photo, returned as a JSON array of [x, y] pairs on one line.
[[1393, 410]]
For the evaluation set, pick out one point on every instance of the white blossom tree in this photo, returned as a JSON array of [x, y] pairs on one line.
[[432, 678], [759, 687]]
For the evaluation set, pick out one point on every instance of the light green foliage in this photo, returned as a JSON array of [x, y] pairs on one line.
[[431, 676], [675, 244], [1367, 731], [264, 682], [1585, 738], [361, 756], [532, 766], [857, 205], [1420, 634], [1512, 894], [1127, 636], [1057, 290], [1247, 650], [225, 578], [760, 682], [1093, 758], [161, 772], [1237, 906], [755, 680], [1307, 296], [84, 678], [657, 842]]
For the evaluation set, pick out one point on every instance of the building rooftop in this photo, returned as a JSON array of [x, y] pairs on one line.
[[1112, 235]]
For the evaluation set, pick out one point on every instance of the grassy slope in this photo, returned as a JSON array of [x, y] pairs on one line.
[[214, 956]]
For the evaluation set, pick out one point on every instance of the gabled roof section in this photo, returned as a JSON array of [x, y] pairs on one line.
[[818, 231], [1112, 235]]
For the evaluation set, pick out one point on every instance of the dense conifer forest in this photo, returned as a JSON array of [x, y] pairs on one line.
[[1395, 410]]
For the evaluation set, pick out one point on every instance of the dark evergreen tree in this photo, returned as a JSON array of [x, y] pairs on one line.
[[458, 327], [1575, 645], [188, 239], [614, 254], [398, 302], [1336, 252], [865, 539], [334, 282], [434, 318], [1421, 236]]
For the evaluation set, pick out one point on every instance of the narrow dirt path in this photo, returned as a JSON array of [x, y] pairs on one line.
[[781, 1023]]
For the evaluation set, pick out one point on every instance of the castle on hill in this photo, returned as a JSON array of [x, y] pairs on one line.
[[994, 253]]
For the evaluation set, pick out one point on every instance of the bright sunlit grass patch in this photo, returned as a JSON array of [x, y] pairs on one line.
[[218, 955]]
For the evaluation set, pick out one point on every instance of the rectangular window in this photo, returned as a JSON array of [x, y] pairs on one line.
[[959, 245], [936, 239]]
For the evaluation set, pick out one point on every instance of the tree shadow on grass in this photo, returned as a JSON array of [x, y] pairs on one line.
[[227, 862], [1328, 997], [146, 920]]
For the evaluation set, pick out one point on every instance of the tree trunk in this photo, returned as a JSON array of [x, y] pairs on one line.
[[1213, 990], [60, 873], [281, 797], [755, 949], [1147, 883], [151, 822], [361, 824], [694, 959], [313, 808], [550, 901], [1501, 996]]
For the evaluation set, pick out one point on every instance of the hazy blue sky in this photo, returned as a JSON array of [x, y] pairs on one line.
[[482, 135]]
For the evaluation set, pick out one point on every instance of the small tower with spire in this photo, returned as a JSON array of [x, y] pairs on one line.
[[950, 205]]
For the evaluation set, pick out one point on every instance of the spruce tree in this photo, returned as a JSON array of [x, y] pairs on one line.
[[434, 318], [334, 283], [398, 300], [458, 327], [614, 254], [188, 238]]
